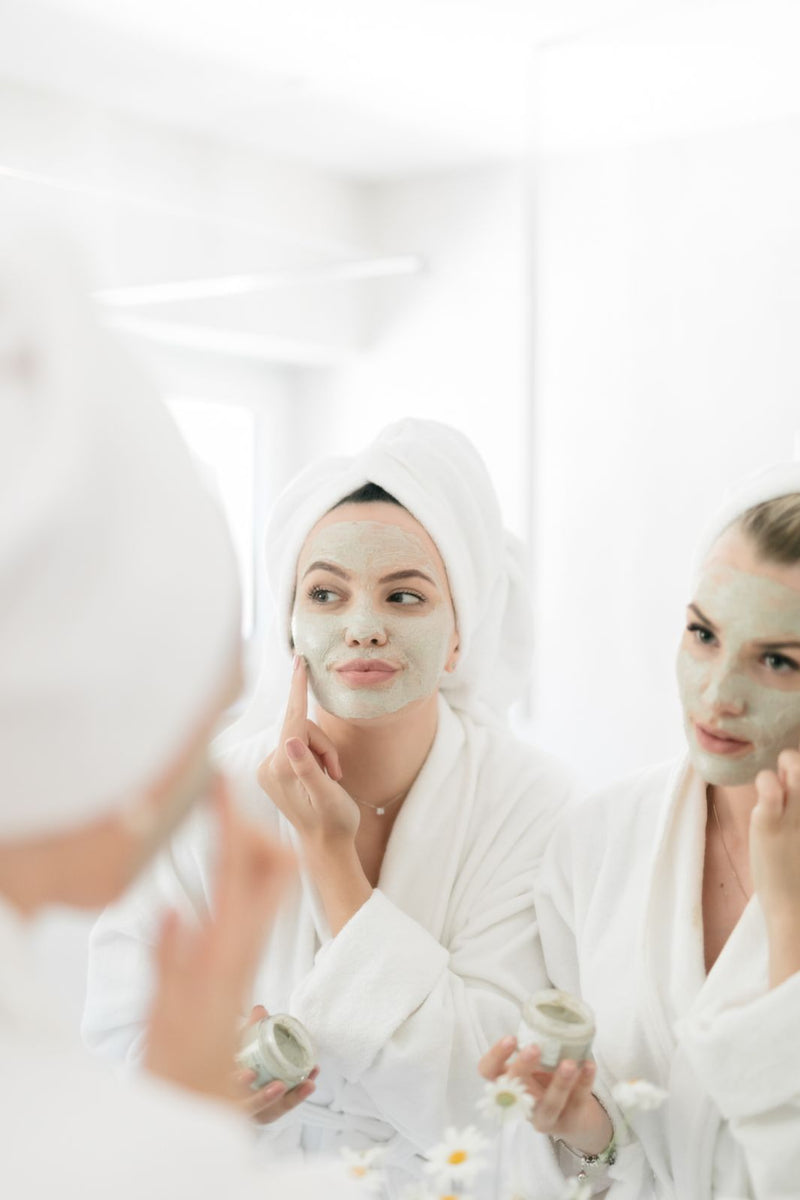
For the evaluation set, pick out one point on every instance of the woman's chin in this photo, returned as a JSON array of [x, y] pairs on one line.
[[725, 772], [370, 708]]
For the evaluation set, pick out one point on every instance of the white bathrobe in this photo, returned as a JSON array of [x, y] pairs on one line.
[[71, 1130], [620, 915], [426, 975]]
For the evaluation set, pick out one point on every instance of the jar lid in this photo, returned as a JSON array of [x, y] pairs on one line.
[[289, 1045], [559, 1014]]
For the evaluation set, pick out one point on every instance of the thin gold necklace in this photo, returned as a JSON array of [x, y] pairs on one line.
[[727, 852], [380, 809]]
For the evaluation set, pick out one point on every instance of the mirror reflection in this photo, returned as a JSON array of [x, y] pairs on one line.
[[400, 615]]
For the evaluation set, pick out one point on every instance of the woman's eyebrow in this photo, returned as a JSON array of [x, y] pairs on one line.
[[702, 616], [779, 645], [326, 566], [396, 575]]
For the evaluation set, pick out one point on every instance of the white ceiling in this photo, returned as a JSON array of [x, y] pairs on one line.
[[367, 87]]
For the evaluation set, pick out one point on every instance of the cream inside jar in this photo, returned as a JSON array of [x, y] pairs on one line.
[[560, 1024], [276, 1047]]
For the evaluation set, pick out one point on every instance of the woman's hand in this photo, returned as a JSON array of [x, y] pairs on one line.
[[564, 1106], [775, 862], [275, 1099], [205, 972], [322, 814]]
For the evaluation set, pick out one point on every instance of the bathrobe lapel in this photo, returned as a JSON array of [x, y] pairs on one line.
[[426, 846], [675, 986], [419, 867]]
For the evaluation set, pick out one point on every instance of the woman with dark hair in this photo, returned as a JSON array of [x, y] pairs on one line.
[[410, 943]]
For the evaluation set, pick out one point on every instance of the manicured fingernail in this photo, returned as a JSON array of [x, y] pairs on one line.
[[568, 1068], [295, 749], [295, 662], [508, 1043]]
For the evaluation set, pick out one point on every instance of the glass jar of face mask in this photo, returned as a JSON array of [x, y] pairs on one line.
[[276, 1047], [560, 1024]]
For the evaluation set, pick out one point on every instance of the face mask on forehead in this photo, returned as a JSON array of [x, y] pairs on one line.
[[354, 619], [727, 684]]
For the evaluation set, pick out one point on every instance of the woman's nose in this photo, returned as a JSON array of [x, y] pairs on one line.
[[725, 693], [365, 628]]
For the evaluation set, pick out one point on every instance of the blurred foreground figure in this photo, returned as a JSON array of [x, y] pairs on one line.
[[119, 619]]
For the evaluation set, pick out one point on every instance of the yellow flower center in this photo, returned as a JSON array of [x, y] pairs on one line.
[[358, 1172], [457, 1158], [505, 1099]]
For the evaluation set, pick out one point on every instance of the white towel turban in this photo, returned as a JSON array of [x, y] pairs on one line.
[[437, 474], [780, 479], [119, 603]]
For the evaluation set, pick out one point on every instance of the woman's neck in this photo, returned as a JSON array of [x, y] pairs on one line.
[[381, 757], [734, 806]]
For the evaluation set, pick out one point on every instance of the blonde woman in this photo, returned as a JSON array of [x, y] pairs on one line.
[[671, 902]]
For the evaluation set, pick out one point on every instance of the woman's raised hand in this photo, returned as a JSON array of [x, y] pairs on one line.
[[205, 971], [270, 1102], [775, 861], [564, 1106], [300, 776]]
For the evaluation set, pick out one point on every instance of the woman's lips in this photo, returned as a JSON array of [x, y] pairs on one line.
[[720, 743], [366, 672]]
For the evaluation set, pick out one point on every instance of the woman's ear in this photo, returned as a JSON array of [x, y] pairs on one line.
[[452, 661]]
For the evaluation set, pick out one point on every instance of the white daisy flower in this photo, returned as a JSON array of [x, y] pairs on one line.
[[362, 1165], [577, 1189], [638, 1093], [506, 1100], [458, 1157]]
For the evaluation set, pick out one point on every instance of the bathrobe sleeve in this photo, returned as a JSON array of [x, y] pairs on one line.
[[122, 947], [748, 1059], [120, 977], [407, 1014], [566, 891]]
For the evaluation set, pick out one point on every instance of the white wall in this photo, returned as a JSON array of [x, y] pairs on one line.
[[452, 344], [668, 302], [153, 204]]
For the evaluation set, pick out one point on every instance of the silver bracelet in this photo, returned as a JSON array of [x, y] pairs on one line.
[[590, 1163]]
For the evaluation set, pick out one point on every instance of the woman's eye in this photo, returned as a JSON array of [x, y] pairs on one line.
[[780, 663], [321, 595], [702, 634], [406, 598]]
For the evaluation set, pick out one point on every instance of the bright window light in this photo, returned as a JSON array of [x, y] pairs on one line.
[[222, 436]]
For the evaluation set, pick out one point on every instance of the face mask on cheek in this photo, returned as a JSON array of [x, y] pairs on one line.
[[720, 686], [419, 641]]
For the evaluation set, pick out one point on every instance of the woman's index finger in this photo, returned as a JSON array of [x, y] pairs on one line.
[[294, 721]]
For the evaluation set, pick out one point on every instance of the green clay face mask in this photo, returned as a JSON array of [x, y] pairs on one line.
[[737, 681], [405, 626]]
